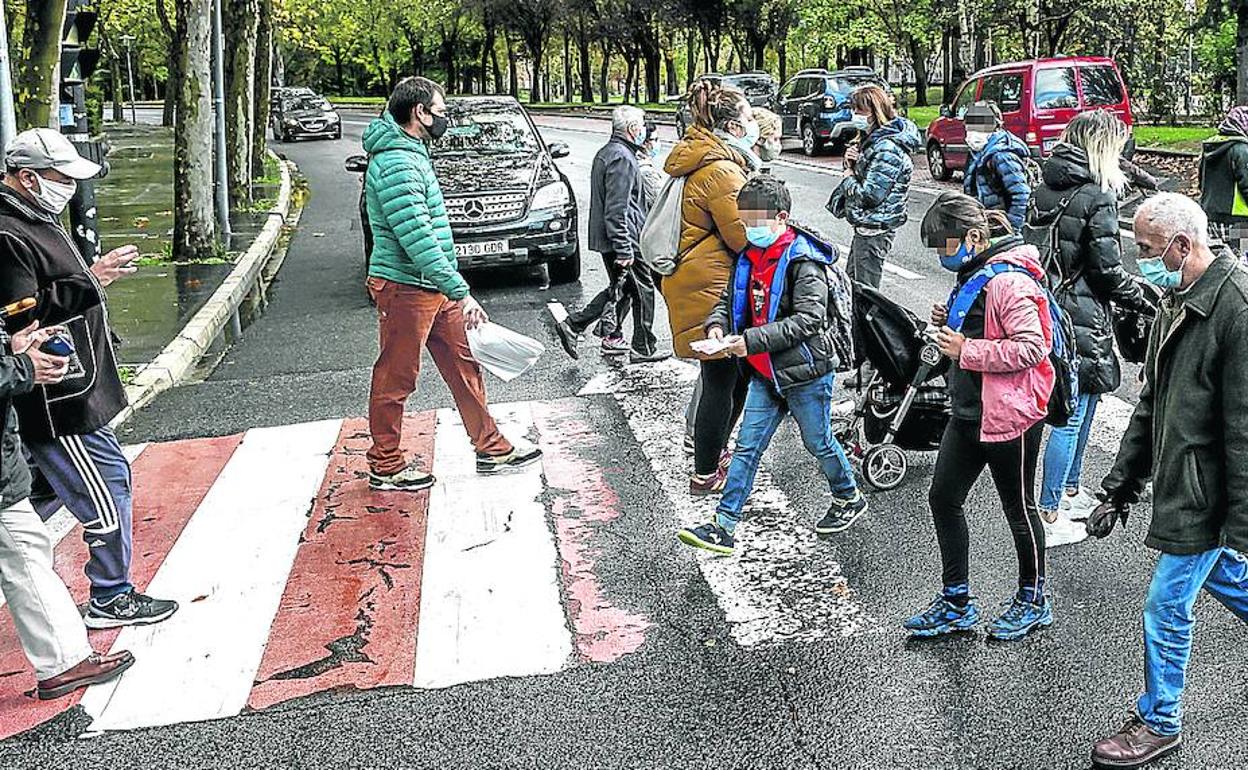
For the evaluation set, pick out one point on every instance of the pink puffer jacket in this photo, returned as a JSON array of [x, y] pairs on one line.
[[1013, 357]]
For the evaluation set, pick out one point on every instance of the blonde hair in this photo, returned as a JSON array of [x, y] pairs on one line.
[[715, 106], [768, 123], [874, 101], [1101, 136]]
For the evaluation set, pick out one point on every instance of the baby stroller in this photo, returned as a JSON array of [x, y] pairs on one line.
[[904, 406]]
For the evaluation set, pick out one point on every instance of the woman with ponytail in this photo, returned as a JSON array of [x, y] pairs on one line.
[[997, 330], [715, 156]]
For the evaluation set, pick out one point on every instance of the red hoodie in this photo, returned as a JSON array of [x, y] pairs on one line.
[[762, 271]]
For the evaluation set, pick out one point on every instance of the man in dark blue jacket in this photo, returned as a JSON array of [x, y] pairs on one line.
[[997, 172], [617, 211]]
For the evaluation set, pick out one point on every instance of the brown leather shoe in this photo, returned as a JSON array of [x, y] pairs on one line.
[[95, 669], [1135, 745]]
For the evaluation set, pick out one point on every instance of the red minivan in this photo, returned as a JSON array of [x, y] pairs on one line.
[[1037, 99]]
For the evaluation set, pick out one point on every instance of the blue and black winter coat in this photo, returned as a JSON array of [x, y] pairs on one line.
[[875, 195], [797, 333], [997, 177]]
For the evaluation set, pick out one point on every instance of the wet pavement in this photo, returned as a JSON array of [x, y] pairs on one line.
[[700, 692]]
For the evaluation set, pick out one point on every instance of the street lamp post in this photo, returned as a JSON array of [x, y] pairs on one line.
[[8, 117], [218, 103], [127, 40]]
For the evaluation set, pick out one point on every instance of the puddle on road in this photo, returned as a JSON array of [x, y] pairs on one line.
[[149, 308]]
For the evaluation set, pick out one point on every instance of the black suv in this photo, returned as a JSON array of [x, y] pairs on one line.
[[814, 106], [508, 203], [759, 88], [299, 115]]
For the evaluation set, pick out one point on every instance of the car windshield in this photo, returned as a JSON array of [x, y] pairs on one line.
[[495, 128], [305, 103], [843, 84], [753, 86]]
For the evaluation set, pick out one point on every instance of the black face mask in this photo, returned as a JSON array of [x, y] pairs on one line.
[[438, 127]]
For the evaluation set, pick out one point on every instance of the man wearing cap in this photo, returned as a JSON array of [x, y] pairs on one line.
[[996, 174], [75, 457]]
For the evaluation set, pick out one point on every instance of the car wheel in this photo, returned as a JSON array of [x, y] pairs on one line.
[[811, 145], [936, 164], [568, 269], [338, 133]]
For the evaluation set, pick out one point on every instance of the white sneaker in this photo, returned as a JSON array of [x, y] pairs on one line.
[[1079, 505]]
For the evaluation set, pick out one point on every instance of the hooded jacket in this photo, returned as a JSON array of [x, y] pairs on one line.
[[1011, 359], [38, 259], [797, 334], [997, 177], [412, 242], [1189, 432], [875, 195], [1224, 179], [1087, 274], [711, 233]]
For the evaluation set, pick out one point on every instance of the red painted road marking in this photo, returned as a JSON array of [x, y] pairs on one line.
[[348, 616], [170, 481], [583, 503]]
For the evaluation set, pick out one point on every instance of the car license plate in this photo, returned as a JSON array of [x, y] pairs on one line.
[[481, 248], [1049, 144]]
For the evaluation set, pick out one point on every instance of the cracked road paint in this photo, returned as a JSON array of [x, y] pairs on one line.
[[352, 601]]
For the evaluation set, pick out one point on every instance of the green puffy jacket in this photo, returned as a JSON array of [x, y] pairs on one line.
[[412, 241]]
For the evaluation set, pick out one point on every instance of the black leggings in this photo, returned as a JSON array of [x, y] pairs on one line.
[[723, 397], [1013, 467]]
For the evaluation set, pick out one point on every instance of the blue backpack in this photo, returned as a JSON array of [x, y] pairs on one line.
[[1065, 397]]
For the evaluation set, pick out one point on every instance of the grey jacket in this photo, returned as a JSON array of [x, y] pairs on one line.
[[617, 202], [1189, 432], [17, 376]]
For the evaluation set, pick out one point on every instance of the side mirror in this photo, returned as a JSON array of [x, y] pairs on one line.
[[357, 164], [560, 150], [946, 111]]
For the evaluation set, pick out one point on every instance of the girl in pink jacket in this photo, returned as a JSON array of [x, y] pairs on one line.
[[997, 330]]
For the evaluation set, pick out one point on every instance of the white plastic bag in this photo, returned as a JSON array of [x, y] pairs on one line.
[[504, 353]]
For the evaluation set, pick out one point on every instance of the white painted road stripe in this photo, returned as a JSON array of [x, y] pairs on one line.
[[227, 570], [490, 602]]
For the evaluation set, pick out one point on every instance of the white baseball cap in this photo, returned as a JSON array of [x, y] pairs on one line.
[[40, 148]]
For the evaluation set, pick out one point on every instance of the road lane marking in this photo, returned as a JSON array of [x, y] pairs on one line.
[[490, 600], [227, 570]]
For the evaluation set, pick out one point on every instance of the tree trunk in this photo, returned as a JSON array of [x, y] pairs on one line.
[[669, 67], [782, 54], [239, 23], [513, 70], [118, 83], [535, 88], [604, 74], [172, 50], [567, 66], [38, 78], [339, 78], [498, 72], [263, 78], [918, 60], [691, 57], [487, 47], [630, 60], [586, 69], [194, 227], [1241, 52]]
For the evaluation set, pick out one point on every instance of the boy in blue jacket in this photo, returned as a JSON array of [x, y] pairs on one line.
[[774, 313]]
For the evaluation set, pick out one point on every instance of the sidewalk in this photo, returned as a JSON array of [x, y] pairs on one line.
[[135, 202]]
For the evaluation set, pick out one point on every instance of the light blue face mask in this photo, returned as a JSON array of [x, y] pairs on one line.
[[761, 236], [1155, 271]]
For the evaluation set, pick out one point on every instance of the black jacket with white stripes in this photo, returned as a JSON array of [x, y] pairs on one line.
[[38, 259]]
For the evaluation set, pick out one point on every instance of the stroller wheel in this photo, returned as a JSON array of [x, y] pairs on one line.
[[884, 467]]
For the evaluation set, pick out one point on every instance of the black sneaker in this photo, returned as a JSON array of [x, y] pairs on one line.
[[568, 338], [842, 514], [410, 479], [648, 358], [129, 609], [516, 458], [710, 537]]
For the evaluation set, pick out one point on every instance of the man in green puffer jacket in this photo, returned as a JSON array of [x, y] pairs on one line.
[[422, 300]]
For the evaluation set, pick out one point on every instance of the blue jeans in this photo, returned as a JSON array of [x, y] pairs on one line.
[[1063, 457], [1168, 622], [811, 405]]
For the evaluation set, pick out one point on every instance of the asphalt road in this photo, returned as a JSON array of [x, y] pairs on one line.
[[691, 696]]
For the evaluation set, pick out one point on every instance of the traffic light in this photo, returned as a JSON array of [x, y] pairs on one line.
[[77, 63]]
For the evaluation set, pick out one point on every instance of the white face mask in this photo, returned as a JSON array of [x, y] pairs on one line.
[[977, 140], [53, 197]]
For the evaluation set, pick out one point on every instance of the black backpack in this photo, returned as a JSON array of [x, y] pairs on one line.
[[840, 318]]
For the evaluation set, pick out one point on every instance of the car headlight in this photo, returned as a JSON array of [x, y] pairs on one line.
[[291, 122], [551, 196], [332, 118]]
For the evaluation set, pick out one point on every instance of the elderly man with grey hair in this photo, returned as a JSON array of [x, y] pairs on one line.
[[617, 211], [1189, 434]]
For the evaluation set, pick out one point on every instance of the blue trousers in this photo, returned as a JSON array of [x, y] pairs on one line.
[[1063, 457], [811, 405], [1168, 622], [89, 475]]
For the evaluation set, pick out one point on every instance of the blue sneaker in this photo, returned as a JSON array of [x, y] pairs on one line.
[[712, 537], [1020, 618], [841, 514], [943, 617]]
